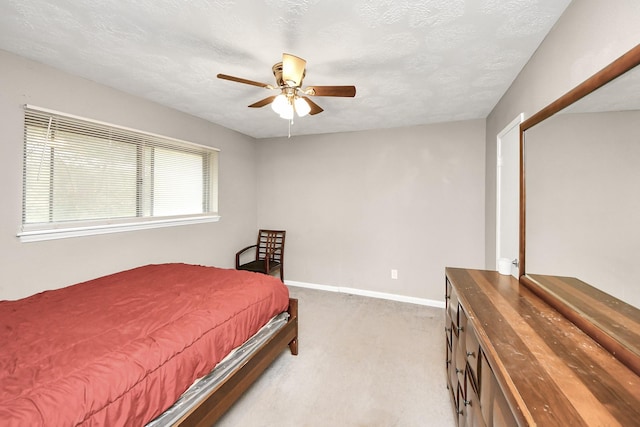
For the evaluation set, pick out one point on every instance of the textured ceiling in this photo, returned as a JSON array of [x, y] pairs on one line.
[[412, 61]]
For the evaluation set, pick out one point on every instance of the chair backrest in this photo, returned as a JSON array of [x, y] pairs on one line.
[[271, 242]]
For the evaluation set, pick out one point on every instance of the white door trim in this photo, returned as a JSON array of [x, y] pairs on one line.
[[515, 122]]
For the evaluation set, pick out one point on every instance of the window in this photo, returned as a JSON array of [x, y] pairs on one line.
[[86, 177]]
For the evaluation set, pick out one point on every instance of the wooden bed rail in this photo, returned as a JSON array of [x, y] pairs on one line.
[[225, 395], [293, 312]]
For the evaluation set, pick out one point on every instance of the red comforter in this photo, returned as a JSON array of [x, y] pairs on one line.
[[120, 349]]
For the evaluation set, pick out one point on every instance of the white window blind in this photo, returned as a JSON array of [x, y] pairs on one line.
[[81, 174]]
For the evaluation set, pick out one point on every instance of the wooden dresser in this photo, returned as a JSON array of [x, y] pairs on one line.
[[513, 360]]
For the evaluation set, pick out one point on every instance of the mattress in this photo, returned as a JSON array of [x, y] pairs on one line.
[[121, 349], [202, 387]]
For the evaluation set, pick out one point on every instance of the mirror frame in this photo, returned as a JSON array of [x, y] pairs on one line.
[[606, 334], [618, 67]]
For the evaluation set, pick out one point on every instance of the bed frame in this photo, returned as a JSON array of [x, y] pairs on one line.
[[219, 400]]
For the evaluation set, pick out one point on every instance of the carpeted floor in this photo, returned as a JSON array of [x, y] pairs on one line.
[[362, 362]]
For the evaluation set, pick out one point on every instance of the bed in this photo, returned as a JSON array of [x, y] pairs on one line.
[[122, 349]]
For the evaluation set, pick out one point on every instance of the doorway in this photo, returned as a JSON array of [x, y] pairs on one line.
[[508, 193]]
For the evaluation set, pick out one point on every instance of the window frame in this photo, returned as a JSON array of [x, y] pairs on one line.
[[31, 232]]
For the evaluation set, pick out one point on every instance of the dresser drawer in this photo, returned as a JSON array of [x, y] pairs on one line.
[[452, 307], [460, 364], [487, 386], [460, 409], [502, 414], [472, 351], [473, 413], [493, 404], [462, 323], [450, 366], [452, 371]]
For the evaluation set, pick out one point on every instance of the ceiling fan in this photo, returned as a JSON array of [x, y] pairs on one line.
[[293, 98]]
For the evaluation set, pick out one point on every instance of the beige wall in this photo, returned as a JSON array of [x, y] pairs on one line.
[[356, 205], [589, 35], [26, 268]]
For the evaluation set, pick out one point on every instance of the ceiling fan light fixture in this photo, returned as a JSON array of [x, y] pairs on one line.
[[302, 107], [280, 103], [287, 113], [292, 99]]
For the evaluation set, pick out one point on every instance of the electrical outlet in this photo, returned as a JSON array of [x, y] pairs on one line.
[[394, 274]]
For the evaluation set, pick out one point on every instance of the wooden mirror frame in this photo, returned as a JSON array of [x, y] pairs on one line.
[[585, 317]]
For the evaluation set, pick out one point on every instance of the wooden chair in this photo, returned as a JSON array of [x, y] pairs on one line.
[[269, 253]]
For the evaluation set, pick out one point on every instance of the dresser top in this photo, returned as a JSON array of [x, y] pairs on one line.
[[551, 372]]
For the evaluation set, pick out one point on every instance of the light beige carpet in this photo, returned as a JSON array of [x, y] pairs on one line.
[[362, 362]]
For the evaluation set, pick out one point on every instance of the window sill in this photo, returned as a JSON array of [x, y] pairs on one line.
[[63, 233]]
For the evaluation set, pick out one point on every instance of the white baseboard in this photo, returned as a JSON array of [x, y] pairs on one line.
[[364, 293]]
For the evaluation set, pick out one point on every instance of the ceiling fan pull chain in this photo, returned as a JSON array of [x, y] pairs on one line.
[[290, 123]]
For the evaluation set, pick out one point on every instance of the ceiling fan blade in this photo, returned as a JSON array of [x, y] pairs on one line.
[[347, 91], [245, 81], [263, 102], [315, 108], [293, 70]]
